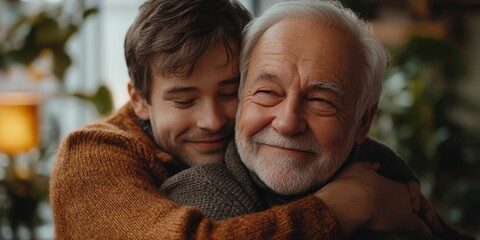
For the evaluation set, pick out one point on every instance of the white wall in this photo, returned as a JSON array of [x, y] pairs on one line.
[[115, 19]]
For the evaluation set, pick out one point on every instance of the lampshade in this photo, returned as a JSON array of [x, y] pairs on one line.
[[19, 126]]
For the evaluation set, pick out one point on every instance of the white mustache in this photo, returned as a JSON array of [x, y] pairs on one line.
[[303, 142]]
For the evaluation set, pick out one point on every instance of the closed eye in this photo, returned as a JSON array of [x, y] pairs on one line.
[[321, 106], [183, 103], [229, 95], [319, 100], [267, 92], [267, 97]]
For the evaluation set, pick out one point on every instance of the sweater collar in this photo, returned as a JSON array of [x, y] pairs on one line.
[[146, 127]]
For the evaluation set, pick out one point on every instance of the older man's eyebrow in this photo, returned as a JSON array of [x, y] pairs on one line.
[[266, 76], [320, 84]]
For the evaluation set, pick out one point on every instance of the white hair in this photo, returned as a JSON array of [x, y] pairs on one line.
[[330, 14]]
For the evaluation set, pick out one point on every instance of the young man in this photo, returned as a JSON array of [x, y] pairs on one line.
[[182, 60]]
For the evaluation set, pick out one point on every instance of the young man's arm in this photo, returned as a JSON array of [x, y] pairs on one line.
[[362, 199], [392, 166], [225, 190], [105, 185]]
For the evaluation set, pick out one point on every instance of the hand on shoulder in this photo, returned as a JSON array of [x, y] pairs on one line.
[[362, 199]]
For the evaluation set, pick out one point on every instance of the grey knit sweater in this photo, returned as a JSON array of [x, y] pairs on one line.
[[227, 190]]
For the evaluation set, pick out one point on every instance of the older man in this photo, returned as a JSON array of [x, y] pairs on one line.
[[311, 80]]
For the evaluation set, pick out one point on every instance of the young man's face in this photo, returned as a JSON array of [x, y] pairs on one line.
[[193, 118]]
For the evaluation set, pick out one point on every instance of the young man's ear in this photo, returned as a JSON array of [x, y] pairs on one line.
[[365, 123], [139, 104]]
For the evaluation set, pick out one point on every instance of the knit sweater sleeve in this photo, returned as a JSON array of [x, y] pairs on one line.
[[105, 185]]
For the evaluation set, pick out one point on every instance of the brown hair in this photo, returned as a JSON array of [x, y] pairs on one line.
[[170, 37]]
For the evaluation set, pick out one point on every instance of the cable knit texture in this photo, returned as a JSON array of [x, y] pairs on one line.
[[105, 185]]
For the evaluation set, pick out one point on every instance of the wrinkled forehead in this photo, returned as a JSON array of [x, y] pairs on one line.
[[306, 48]]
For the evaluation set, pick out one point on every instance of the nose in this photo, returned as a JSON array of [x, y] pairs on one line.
[[289, 120], [212, 117]]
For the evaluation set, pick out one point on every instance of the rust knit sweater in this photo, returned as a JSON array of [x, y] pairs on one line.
[[105, 185]]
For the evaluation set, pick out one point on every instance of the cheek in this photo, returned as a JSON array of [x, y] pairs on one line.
[[231, 109], [252, 119], [329, 132], [170, 124]]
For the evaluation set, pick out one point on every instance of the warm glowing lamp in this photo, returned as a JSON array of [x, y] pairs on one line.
[[19, 126]]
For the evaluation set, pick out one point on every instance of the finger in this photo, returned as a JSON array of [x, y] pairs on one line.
[[376, 166], [417, 224], [371, 166], [415, 194], [431, 217]]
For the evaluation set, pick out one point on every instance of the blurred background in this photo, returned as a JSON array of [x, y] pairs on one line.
[[62, 65]]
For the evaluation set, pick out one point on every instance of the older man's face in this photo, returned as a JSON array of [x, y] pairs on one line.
[[295, 125]]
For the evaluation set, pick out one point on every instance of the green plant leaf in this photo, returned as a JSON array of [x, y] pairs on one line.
[[61, 61], [102, 100], [42, 31], [88, 12]]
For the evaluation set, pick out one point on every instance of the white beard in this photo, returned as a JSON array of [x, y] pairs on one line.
[[288, 175]]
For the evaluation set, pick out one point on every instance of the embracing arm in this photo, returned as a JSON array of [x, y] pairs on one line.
[[113, 193], [392, 166], [358, 196], [362, 199]]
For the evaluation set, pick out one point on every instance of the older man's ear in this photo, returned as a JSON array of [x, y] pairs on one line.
[[365, 123]]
